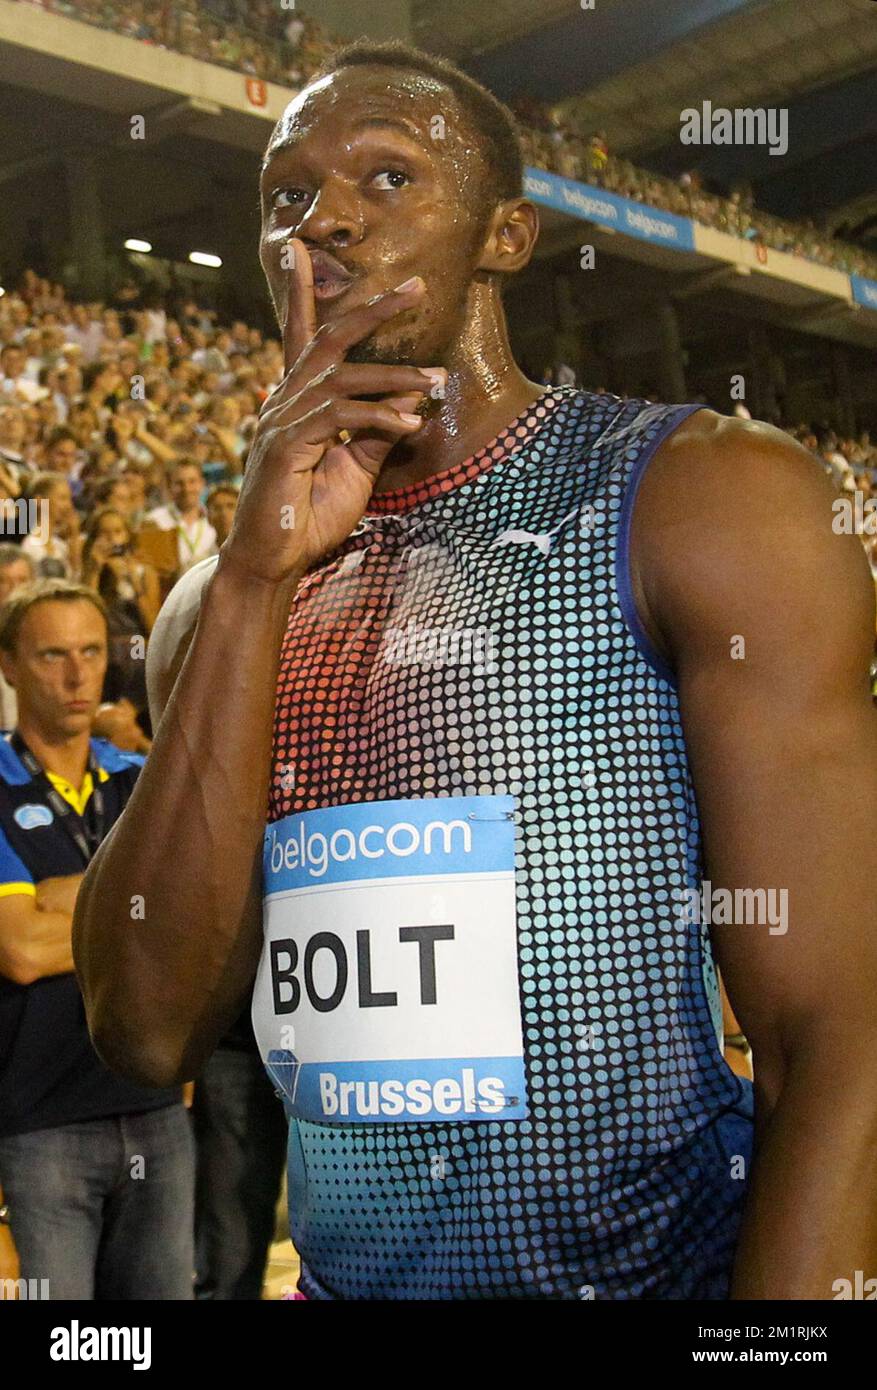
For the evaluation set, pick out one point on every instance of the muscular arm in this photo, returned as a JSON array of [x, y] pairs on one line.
[[163, 986], [733, 539], [167, 927]]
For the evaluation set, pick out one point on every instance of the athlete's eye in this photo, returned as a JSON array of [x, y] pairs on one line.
[[295, 196], [390, 174]]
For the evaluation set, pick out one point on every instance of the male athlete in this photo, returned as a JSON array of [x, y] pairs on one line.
[[519, 675]]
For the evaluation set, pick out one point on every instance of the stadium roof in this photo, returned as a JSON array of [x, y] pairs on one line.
[[629, 67]]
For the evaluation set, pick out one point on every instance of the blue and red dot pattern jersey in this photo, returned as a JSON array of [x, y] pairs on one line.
[[477, 635]]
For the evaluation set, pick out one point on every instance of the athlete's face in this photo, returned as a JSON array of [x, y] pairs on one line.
[[59, 664], [377, 168]]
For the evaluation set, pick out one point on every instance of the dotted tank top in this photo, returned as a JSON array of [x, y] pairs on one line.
[[626, 1179]]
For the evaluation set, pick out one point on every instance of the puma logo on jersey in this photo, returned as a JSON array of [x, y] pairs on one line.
[[543, 540]]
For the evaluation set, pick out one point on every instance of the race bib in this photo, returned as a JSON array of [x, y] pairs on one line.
[[387, 990]]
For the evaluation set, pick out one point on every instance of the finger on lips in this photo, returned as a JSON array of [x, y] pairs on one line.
[[339, 337], [301, 312], [325, 355], [301, 308]]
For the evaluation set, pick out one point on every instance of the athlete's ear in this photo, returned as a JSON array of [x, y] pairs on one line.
[[511, 236]]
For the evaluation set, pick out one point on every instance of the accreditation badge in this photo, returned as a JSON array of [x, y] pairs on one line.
[[388, 988]]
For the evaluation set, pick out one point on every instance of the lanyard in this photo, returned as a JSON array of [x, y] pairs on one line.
[[85, 836], [191, 545]]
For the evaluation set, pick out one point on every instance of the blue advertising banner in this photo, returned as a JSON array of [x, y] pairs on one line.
[[864, 291], [609, 210]]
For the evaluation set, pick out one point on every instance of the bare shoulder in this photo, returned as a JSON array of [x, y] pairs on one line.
[[735, 517], [715, 457], [173, 632]]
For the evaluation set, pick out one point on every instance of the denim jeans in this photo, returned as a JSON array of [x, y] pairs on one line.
[[104, 1209], [241, 1132]]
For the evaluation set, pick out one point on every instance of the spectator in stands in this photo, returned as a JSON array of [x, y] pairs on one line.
[[221, 503], [82, 423], [47, 412], [86, 331], [97, 1172], [16, 570], [597, 157], [113, 491], [33, 434], [15, 384], [12, 505], [135, 510], [62, 452], [112, 330], [104, 388], [125, 583], [121, 435], [223, 424], [59, 538], [185, 515], [12, 436], [66, 388], [32, 343], [828, 448], [131, 594], [153, 317]]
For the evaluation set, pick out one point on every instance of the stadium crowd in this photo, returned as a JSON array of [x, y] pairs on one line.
[[276, 44], [552, 141], [257, 37], [123, 437]]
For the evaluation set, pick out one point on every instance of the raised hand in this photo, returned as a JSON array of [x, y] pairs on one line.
[[305, 489]]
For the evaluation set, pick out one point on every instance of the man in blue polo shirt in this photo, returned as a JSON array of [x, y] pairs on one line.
[[97, 1173]]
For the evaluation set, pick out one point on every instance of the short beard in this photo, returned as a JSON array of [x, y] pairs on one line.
[[401, 354]]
